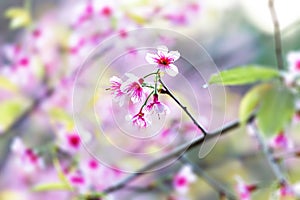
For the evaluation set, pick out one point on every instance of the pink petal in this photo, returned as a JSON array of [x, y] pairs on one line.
[[162, 50], [115, 79], [174, 54], [171, 70], [150, 58]]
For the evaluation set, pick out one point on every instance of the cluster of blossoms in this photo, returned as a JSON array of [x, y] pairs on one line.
[[285, 191], [139, 91], [28, 69]]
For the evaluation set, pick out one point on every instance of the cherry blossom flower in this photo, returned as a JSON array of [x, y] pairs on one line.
[[79, 181], [296, 117], [164, 60], [183, 179], [296, 189], [26, 157], [115, 89], [133, 88], [244, 190], [69, 141], [293, 59], [280, 141], [285, 191], [140, 120], [157, 107]]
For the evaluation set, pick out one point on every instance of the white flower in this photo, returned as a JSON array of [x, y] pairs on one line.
[[164, 60]]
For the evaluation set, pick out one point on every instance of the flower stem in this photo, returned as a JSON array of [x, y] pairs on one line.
[[153, 73], [145, 103], [277, 36], [156, 80], [184, 108]]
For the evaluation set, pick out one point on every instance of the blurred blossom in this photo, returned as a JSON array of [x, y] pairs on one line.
[[281, 142], [293, 59], [78, 181], [244, 190], [296, 189], [183, 179], [26, 157], [69, 141], [251, 130], [291, 77], [285, 191]]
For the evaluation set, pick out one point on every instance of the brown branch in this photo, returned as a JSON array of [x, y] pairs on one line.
[[175, 153], [277, 36], [184, 108]]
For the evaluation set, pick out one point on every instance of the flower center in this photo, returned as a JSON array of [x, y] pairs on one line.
[[141, 115], [74, 140], [181, 181], [164, 61]]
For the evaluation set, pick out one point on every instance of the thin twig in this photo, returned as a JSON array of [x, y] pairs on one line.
[[270, 158], [277, 36], [223, 191], [184, 108]]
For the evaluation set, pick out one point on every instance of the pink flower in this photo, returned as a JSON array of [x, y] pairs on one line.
[[79, 181], [293, 59], [115, 89], [280, 141], [164, 60], [183, 179], [26, 157], [157, 107], [69, 141], [133, 88], [285, 191], [140, 120], [244, 190], [106, 11]]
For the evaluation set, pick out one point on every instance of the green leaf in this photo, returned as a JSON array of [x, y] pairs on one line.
[[19, 17], [6, 84], [251, 100], [59, 115], [9, 111], [50, 186], [244, 75], [61, 174], [276, 111]]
